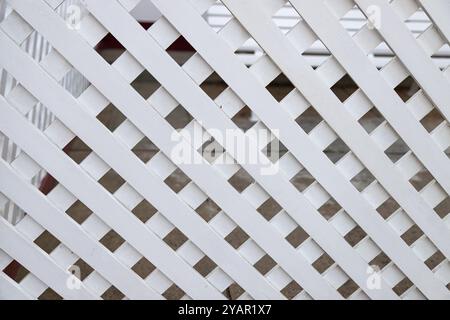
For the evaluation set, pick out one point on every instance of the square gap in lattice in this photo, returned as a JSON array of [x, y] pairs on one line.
[[316, 54], [309, 119], [274, 150], [244, 118], [145, 149], [111, 117], [432, 120], [179, 118], [213, 86], [145, 84], [280, 87], [286, 18], [353, 20], [110, 49], [211, 150], [371, 120], [77, 150], [407, 88], [344, 88], [180, 50]]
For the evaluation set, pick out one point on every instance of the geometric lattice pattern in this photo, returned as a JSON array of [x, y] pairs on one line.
[[268, 239]]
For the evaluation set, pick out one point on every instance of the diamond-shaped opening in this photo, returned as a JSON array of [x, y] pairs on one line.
[[353, 20], [407, 88], [348, 288], [265, 264], [218, 15], [269, 209], [109, 48], [177, 180], [180, 50], [111, 181], [47, 242], [387, 208], [233, 292], [420, 23], [291, 290], [205, 266], [297, 237], [441, 57], [249, 52], [208, 210], [309, 119], [371, 120], [175, 239], [362, 180], [302, 180], [286, 17], [243, 118], [344, 88], [48, 183], [145, 84], [323, 263], [78, 212], [112, 240], [74, 76], [173, 293], [381, 55], [397, 150], [336, 150], [421, 179], [236, 237], [77, 150], [433, 119], [280, 87], [144, 211], [145, 150], [412, 234], [354, 236], [329, 208], [145, 6], [213, 85], [143, 268], [179, 117], [112, 294], [111, 117], [241, 180]]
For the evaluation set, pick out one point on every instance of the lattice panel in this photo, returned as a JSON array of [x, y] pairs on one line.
[[211, 235]]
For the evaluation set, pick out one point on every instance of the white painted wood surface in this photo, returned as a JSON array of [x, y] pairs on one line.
[[54, 85]]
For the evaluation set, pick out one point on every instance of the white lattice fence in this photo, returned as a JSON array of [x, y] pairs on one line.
[[266, 239]]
